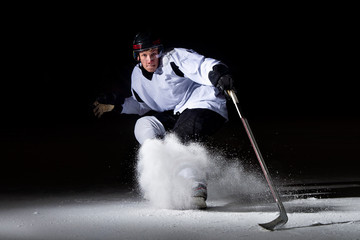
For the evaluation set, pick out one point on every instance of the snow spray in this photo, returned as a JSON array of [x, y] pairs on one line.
[[161, 160], [158, 168]]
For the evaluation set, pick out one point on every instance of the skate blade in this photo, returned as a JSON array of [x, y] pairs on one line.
[[198, 203]]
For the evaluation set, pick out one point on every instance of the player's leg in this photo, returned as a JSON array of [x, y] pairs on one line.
[[196, 124], [148, 127], [155, 126]]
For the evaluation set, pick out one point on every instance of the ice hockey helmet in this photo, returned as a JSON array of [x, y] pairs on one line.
[[144, 41]]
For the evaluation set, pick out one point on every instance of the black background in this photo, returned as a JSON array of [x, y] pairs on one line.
[[295, 70]]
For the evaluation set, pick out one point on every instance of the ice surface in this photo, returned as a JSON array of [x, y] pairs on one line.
[[237, 204], [127, 216]]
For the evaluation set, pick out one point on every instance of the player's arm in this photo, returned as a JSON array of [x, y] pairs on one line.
[[203, 70]]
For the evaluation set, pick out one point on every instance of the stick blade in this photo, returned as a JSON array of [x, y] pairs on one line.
[[276, 223]]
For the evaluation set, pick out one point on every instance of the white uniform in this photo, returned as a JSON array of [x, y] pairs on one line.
[[168, 90], [180, 82]]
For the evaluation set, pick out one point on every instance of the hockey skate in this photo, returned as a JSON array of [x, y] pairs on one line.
[[199, 196]]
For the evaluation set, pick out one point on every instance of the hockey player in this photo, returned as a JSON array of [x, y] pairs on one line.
[[185, 89]]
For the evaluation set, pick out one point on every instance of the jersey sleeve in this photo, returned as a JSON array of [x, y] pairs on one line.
[[194, 66], [131, 106]]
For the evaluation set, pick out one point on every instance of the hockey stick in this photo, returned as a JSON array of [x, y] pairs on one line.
[[282, 218]]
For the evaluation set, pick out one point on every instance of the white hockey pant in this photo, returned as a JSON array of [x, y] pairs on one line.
[[148, 127]]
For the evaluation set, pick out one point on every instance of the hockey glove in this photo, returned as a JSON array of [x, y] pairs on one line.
[[107, 103], [225, 83], [221, 78], [100, 109]]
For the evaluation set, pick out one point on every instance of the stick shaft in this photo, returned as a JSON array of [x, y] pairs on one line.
[[264, 168]]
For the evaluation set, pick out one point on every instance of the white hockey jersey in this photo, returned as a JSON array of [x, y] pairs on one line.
[[171, 89]]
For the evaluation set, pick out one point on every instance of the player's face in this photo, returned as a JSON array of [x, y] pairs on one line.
[[149, 59]]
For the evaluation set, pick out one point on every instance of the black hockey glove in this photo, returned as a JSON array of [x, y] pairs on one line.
[[225, 83], [220, 77]]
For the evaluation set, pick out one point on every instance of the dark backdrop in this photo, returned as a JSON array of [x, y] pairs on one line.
[[294, 70]]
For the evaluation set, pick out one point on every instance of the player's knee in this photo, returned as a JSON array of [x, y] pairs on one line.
[[148, 127], [141, 125]]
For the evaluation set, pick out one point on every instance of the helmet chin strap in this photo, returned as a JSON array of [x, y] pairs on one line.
[[160, 54], [136, 56]]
